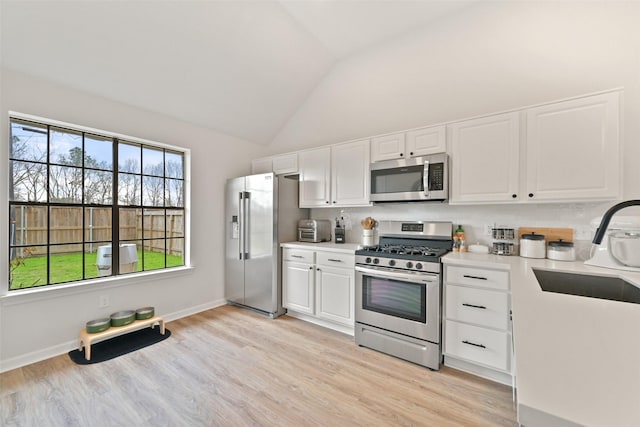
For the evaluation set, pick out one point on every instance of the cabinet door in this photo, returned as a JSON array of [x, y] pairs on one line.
[[335, 293], [573, 149], [263, 165], [297, 287], [485, 159], [285, 163], [387, 147], [350, 174], [431, 140], [315, 177]]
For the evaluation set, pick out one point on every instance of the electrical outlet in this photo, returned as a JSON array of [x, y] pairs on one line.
[[488, 229], [103, 301]]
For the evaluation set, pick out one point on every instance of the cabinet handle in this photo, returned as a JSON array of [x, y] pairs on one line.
[[473, 344], [530, 194], [326, 201], [411, 153], [310, 268], [317, 269], [297, 256], [514, 195], [474, 306], [334, 201], [401, 154], [334, 260], [474, 277]]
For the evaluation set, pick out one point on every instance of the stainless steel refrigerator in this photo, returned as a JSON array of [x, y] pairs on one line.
[[261, 212]]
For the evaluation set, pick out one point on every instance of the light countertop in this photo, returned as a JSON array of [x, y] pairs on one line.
[[577, 358], [349, 248]]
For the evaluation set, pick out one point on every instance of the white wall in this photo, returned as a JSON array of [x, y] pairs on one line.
[[34, 327], [492, 57]]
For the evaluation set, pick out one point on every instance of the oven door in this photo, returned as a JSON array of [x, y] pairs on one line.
[[407, 303]]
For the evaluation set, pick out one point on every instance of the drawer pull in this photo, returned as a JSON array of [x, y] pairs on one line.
[[473, 344], [297, 256], [334, 260], [474, 306], [474, 277]]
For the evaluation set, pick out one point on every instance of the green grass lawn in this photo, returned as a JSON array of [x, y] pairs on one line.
[[68, 268]]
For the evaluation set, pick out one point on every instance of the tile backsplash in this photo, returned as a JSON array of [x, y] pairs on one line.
[[583, 218]]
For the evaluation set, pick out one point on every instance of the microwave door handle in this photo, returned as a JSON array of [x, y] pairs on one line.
[[425, 178]]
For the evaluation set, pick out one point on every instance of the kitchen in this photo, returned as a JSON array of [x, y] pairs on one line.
[[520, 66]]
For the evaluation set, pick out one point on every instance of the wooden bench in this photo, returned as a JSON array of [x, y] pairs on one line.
[[85, 339]]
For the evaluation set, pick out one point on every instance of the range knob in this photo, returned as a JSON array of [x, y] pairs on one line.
[[376, 260], [409, 264], [367, 260], [419, 266], [392, 263]]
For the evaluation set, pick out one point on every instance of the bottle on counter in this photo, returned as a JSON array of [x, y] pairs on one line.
[[459, 240]]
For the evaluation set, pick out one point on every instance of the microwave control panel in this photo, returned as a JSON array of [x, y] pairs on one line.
[[436, 177]]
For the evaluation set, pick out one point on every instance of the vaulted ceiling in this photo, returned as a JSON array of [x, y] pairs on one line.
[[239, 67]]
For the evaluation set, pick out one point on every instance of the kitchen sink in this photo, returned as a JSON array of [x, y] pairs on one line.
[[587, 285]]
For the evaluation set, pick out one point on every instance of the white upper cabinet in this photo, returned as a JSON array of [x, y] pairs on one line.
[[484, 159], [414, 143], [262, 165], [350, 174], [281, 164], [335, 176], [561, 151], [387, 147], [573, 149], [430, 140], [285, 164], [315, 177]]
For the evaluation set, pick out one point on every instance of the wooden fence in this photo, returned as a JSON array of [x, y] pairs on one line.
[[66, 227]]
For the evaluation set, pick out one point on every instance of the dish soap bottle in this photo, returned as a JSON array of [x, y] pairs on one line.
[[459, 240]]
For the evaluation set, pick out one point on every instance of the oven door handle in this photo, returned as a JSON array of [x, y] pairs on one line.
[[398, 275]]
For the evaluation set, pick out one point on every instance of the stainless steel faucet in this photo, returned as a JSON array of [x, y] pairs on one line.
[[606, 218]]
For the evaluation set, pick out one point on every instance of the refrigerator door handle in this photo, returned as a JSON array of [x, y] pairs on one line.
[[245, 224], [240, 224]]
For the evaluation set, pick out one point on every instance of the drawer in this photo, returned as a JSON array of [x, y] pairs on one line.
[[477, 345], [335, 259], [479, 306], [474, 276], [299, 255]]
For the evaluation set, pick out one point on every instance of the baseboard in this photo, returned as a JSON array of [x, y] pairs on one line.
[[57, 350], [349, 330]]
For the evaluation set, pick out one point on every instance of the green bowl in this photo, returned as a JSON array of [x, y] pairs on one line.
[[122, 318], [98, 325], [144, 313]]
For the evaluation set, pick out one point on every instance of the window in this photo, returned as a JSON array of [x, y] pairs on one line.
[[75, 194]]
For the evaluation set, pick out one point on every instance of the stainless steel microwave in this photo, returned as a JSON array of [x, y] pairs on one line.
[[417, 179]]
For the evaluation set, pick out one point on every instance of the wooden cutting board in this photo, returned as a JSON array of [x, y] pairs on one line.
[[550, 234]]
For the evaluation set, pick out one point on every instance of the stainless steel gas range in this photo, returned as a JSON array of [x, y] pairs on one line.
[[399, 291]]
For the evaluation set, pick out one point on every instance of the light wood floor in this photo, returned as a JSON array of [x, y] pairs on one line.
[[233, 367]]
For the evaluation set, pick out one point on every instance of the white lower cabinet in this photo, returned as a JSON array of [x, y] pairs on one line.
[[477, 322], [319, 286]]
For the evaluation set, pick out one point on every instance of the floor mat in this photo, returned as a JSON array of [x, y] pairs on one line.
[[118, 346]]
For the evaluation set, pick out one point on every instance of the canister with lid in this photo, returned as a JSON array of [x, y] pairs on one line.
[[560, 250], [532, 245]]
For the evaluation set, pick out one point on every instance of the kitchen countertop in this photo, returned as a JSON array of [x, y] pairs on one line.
[[577, 358], [349, 248]]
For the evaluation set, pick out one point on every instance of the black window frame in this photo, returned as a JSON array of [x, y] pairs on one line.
[[115, 206]]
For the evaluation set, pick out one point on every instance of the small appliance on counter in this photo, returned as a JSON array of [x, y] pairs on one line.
[[532, 245], [314, 230], [617, 242]]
